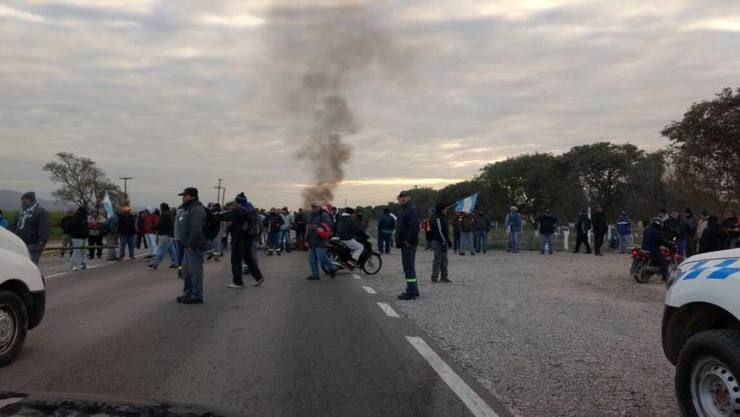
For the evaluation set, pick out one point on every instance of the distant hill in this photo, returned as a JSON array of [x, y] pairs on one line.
[[11, 200]]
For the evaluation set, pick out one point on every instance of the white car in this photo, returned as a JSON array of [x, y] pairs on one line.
[[22, 295], [701, 333]]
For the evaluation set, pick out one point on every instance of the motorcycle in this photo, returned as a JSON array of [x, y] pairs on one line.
[[341, 256], [645, 266]]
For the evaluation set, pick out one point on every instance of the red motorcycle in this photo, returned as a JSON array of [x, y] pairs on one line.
[[644, 265]]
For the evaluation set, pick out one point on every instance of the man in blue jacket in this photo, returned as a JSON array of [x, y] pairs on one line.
[[407, 237], [624, 231], [386, 226]]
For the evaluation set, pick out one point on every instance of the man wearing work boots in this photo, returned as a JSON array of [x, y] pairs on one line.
[[407, 237]]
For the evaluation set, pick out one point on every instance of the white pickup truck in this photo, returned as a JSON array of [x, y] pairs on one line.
[[701, 333], [22, 295]]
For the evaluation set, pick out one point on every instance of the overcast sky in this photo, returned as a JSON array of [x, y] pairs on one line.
[[181, 93]]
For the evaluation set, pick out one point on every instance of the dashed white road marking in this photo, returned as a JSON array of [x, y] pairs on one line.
[[369, 290], [475, 404], [388, 310], [58, 274], [356, 276]]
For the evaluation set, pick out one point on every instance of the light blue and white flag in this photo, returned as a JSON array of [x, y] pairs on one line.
[[467, 205], [107, 205]]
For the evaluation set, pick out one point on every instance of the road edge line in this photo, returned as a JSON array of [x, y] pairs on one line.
[[388, 310], [473, 401]]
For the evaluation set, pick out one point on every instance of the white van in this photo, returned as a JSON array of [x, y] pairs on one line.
[[22, 295], [701, 333]]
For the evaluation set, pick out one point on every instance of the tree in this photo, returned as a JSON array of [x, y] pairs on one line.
[[533, 182], [705, 146], [82, 182], [602, 169]]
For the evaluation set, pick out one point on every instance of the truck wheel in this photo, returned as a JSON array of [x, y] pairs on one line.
[[13, 326], [706, 374]]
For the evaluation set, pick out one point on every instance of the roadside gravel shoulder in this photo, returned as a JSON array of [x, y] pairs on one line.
[[560, 335]]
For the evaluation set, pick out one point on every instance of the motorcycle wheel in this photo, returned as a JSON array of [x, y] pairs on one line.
[[372, 264], [333, 259], [638, 272]]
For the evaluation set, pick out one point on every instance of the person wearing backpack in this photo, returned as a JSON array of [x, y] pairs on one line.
[[193, 223], [244, 229], [318, 231]]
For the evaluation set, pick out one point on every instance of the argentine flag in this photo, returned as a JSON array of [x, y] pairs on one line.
[[467, 205], [107, 205]]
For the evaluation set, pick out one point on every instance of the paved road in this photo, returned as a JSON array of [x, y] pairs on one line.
[[290, 348]]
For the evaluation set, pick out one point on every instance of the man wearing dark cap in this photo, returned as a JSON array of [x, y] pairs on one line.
[[32, 225], [407, 237], [192, 220], [244, 229]]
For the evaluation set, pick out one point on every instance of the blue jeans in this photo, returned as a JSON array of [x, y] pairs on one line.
[[166, 245], [273, 240], [408, 260], [317, 254], [192, 267], [481, 240], [285, 240], [126, 240], [682, 244], [514, 239], [466, 241], [33, 250], [624, 241], [384, 242], [180, 249], [546, 239]]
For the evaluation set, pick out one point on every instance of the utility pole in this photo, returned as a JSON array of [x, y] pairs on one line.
[[223, 196], [125, 186], [218, 190]]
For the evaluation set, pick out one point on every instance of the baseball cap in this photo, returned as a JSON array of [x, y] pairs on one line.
[[191, 191]]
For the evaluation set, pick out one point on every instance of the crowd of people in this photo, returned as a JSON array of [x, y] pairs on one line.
[[194, 233]]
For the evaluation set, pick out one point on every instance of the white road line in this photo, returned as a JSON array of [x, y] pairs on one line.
[[356, 276], [475, 404], [388, 310], [58, 274], [369, 290]]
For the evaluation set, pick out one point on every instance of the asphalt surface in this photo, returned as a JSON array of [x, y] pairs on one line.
[[289, 348]]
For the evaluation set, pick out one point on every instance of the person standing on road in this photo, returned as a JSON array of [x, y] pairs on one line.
[[244, 229], [192, 222], [624, 231], [674, 227], [482, 227], [150, 231], [583, 226], [407, 238], [730, 223], [274, 222], [386, 226], [66, 238], [79, 232], [456, 236], [702, 224], [514, 228], [288, 223], [440, 243], [467, 226], [318, 230], [547, 223], [110, 231], [95, 224], [32, 226], [165, 228], [692, 222], [601, 228], [300, 229], [714, 237], [126, 232]]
